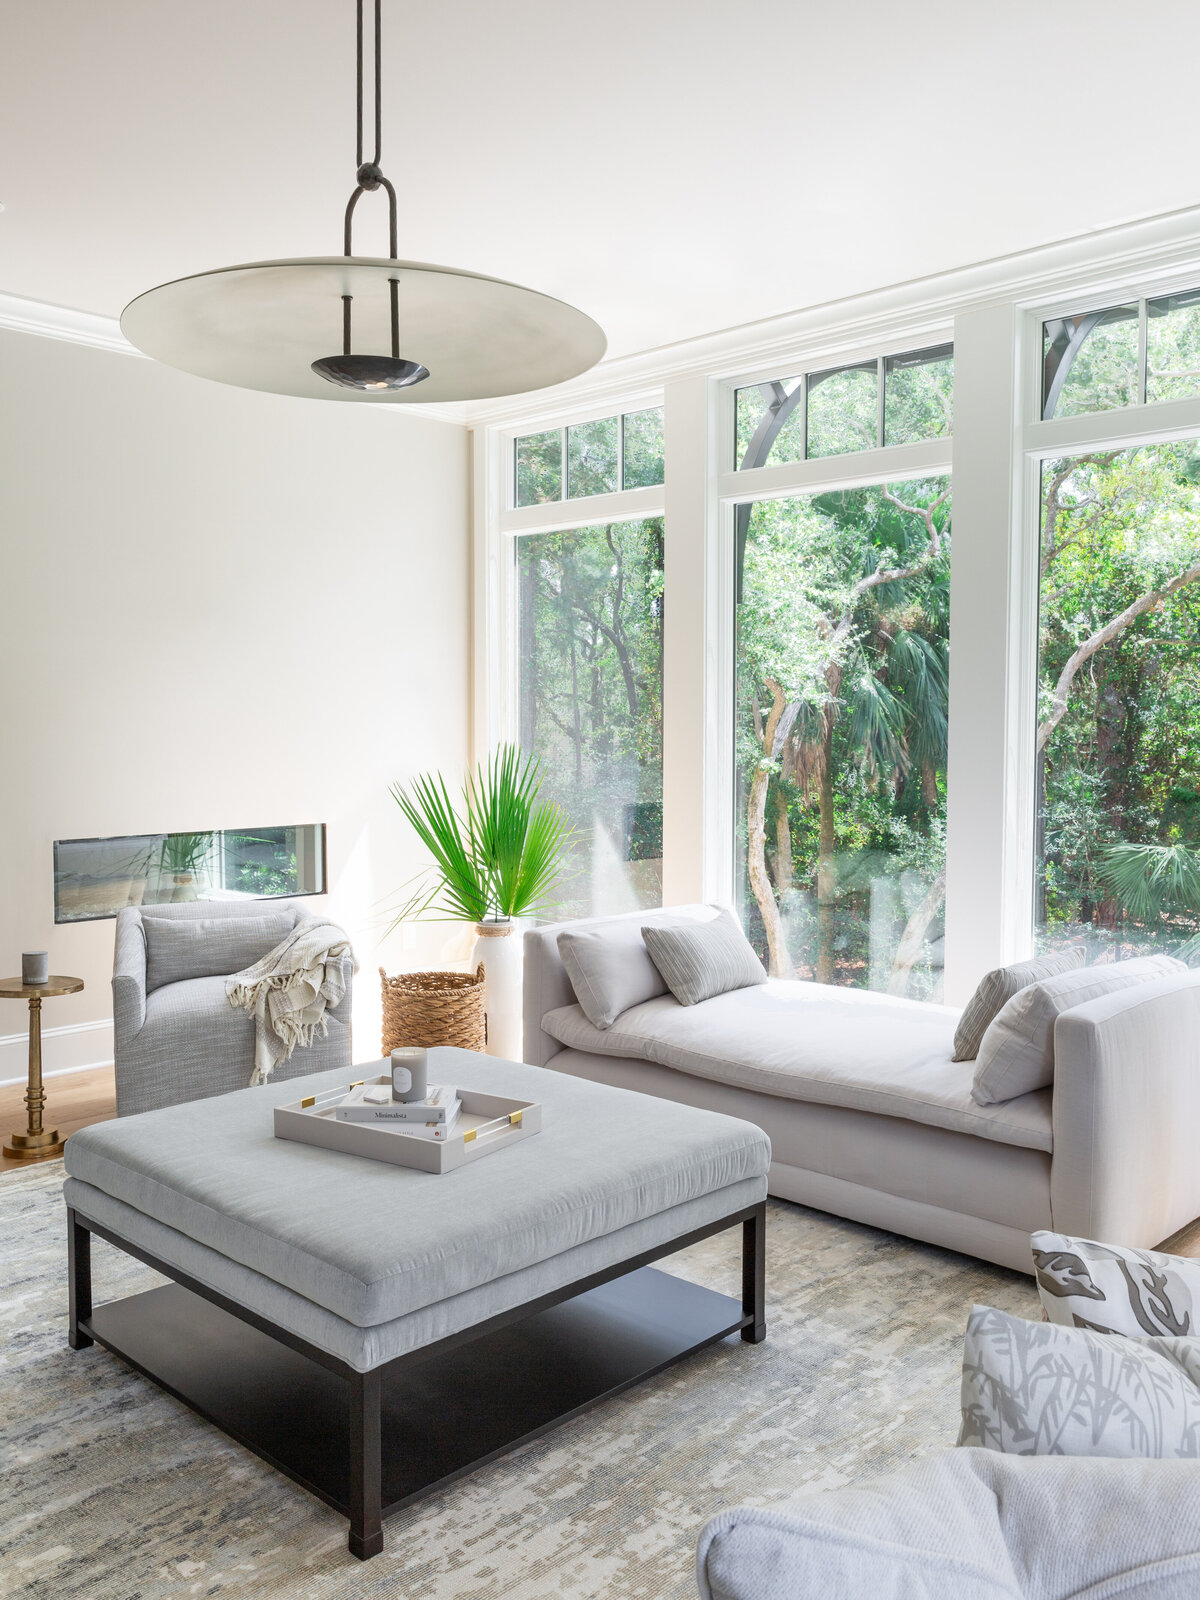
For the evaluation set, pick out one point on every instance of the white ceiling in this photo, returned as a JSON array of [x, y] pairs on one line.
[[671, 166]]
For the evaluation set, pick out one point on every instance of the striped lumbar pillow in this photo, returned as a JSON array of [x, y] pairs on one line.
[[702, 959], [997, 989]]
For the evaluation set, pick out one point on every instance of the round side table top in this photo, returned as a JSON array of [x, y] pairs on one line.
[[15, 989]]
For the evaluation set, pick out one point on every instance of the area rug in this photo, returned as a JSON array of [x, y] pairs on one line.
[[111, 1490]]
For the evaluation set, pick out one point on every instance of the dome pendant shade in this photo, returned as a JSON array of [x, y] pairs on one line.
[[262, 325], [370, 372]]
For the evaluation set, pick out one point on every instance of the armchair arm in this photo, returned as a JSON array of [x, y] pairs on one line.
[[129, 977], [1127, 1113]]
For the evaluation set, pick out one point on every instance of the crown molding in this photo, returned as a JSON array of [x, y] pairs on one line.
[[1137, 254], [1084, 266], [47, 321]]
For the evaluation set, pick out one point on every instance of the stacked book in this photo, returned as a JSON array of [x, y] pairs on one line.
[[431, 1118]]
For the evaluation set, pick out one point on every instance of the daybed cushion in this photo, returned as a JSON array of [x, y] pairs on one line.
[[969, 1525], [700, 960], [807, 1041], [1116, 1289], [1017, 1053], [996, 989], [370, 1241], [1036, 1389], [209, 947], [610, 969]]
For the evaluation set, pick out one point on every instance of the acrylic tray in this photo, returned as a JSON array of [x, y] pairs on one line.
[[486, 1123]]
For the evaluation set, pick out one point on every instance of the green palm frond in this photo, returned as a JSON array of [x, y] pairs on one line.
[[876, 719], [502, 856], [1147, 879], [919, 669]]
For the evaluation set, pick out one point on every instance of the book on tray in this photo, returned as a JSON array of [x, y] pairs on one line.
[[372, 1103]]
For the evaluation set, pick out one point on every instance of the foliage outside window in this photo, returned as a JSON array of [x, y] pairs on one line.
[[1142, 351], [838, 411], [95, 878], [600, 457], [590, 615], [842, 707], [1119, 702]]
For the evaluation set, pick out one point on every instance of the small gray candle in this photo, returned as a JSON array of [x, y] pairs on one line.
[[35, 967], [410, 1074]]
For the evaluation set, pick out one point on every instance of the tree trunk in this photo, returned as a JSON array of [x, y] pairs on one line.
[[783, 842], [780, 961], [826, 850], [913, 937]]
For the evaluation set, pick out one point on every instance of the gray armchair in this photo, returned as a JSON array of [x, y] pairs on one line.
[[175, 1035]]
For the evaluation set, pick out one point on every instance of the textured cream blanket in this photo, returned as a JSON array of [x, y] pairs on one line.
[[289, 990]]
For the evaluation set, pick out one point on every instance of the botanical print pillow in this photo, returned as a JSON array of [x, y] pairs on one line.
[[1114, 1289], [1035, 1389]]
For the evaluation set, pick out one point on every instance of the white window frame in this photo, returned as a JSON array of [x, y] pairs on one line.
[[992, 314]]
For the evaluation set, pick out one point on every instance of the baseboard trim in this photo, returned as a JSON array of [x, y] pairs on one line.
[[73, 1047]]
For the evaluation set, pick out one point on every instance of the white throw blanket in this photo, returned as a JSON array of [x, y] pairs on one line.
[[289, 990]]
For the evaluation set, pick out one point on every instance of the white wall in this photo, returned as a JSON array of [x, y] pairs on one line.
[[217, 609]]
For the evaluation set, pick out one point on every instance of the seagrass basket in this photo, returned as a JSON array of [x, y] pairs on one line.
[[428, 1008]]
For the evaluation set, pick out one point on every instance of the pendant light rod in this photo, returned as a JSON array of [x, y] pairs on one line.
[[369, 175]]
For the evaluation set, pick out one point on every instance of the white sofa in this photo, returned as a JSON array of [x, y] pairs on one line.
[[869, 1118]]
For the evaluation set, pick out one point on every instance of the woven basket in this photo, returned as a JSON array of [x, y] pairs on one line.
[[428, 1008]]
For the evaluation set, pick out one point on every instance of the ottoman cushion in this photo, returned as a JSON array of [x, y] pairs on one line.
[[371, 1242]]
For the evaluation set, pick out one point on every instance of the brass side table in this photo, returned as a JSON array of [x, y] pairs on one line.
[[36, 1143]]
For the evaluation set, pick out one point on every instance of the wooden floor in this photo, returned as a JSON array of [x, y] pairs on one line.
[[74, 1099]]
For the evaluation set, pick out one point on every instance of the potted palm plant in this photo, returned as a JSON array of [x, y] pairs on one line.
[[498, 855]]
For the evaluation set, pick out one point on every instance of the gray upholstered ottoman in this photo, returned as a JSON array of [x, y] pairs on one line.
[[375, 1331]]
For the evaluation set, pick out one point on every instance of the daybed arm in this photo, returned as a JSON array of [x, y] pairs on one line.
[[1126, 1167], [129, 977]]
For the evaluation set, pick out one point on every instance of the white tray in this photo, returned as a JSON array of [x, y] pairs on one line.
[[486, 1123]]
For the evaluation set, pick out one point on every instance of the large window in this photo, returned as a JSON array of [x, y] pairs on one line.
[[889, 400], [1142, 351], [1119, 710], [601, 457], [842, 646], [590, 613]]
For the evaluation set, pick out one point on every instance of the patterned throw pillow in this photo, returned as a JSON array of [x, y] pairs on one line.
[[1034, 1389], [1114, 1289], [702, 959], [997, 988]]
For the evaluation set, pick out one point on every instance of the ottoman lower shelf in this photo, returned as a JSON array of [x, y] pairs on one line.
[[440, 1414]]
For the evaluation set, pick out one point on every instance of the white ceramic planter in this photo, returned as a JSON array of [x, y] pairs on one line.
[[498, 945]]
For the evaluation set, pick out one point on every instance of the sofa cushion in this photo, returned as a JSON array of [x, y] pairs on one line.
[[997, 988], [1017, 1053], [208, 947], [370, 1241], [700, 960], [1037, 1389], [1116, 1289], [811, 1041], [969, 1525], [610, 969]]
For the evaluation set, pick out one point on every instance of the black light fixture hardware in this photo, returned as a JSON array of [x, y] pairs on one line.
[[371, 373]]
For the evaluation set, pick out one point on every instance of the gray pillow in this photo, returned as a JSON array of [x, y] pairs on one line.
[[178, 948], [1017, 1053], [997, 988], [610, 969], [1035, 1389], [701, 959], [1112, 1288]]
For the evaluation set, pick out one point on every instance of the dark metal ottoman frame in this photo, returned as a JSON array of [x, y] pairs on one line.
[[353, 1438]]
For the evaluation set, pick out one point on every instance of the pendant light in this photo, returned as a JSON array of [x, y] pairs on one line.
[[408, 330]]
